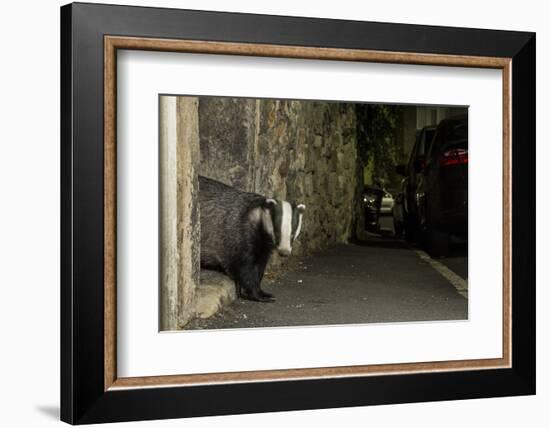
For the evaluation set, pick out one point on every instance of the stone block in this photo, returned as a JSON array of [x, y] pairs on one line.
[[215, 291], [308, 184], [318, 141]]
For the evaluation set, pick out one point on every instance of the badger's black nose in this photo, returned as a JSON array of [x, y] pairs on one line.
[[284, 252]]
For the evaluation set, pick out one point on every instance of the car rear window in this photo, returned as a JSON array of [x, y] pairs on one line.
[[428, 140], [447, 132], [458, 131]]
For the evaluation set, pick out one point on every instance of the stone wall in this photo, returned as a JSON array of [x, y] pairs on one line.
[[227, 128], [179, 258], [302, 151], [305, 152]]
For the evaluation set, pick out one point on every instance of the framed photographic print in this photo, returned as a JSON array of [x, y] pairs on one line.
[[266, 213]]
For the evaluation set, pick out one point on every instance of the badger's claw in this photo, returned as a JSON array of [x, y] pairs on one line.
[[258, 296], [266, 297], [264, 293]]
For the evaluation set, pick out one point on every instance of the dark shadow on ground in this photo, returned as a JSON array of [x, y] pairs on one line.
[[382, 242], [457, 260]]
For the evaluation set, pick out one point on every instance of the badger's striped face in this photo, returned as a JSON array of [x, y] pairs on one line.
[[287, 223]]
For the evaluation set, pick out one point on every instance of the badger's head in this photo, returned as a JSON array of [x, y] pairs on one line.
[[282, 221]]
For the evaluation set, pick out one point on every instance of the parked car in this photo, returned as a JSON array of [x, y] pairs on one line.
[[442, 191], [398, 217], [412, 171], [372, 203], [399, 210]]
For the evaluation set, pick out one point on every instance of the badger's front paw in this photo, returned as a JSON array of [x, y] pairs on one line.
[[257, 296], [266, 297]]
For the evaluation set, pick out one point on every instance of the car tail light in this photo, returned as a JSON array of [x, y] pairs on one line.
[[454, 157]]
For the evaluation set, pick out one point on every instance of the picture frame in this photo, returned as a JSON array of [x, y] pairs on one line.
[[91, 392]]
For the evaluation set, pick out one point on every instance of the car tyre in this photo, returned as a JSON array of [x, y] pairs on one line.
[[407, 231], [437, 243], [397, 228]]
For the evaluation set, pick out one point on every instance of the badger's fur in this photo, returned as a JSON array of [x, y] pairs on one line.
[[239, 230]]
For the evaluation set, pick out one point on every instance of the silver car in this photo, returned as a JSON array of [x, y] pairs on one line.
[[387, 204]]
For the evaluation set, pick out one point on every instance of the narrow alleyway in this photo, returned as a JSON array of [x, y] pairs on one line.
[[382, 281]]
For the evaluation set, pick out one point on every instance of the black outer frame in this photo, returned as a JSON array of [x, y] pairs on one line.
[[83, 399]]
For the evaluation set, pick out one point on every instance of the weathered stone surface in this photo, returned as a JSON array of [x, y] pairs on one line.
[[179, 259], [298, 150], [168, 260], [227, 128], [215, 291], [188, 147]]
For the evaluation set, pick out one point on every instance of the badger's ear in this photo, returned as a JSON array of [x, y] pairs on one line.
[[270, 202], [301, 208]]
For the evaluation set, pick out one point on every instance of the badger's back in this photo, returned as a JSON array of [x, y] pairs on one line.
[[224, 219]]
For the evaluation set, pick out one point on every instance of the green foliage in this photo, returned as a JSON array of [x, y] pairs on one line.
[[376, 145]]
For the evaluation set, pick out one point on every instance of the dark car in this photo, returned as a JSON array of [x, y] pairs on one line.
[[412, 172], [398, 211], [372, 203], [442, 191]]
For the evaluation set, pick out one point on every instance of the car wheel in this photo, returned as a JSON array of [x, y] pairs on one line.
[[397, 228], [411, 229], [437, 242]]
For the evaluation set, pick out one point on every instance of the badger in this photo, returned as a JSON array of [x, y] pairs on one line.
[[240, 230]]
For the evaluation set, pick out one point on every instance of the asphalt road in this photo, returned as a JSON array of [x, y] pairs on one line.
[[381, 281], [456, 261]]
